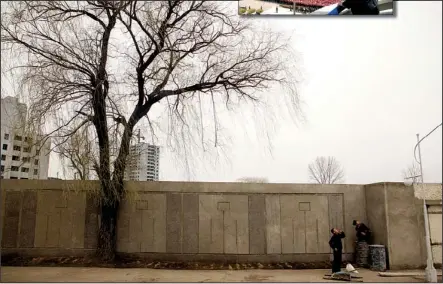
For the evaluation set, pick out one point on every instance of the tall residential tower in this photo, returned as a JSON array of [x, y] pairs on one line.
[[22, 155], [143, 162]]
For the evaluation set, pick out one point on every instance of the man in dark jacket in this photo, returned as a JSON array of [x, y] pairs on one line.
[[363, 232], [337, 248], [360, 7]]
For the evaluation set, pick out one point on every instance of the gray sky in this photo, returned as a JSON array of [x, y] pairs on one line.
[[369, 86]]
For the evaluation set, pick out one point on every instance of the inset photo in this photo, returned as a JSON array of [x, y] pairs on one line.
[[315, 7]]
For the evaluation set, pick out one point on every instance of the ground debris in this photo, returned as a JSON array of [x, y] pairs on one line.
[[133, 262]]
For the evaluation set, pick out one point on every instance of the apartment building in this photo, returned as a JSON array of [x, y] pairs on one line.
[[143, 162], [22, 155]]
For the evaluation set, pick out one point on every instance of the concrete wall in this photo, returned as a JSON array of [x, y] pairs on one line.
[[405, 226], [432, 193], [395, 215], [435, 224], [173, 220], [211, 221]]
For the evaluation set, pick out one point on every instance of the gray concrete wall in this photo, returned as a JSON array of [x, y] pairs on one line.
[[432, 193], [435, 224], [207, 221], [376, 213], [405, 227], [395, 215], [261, 222]]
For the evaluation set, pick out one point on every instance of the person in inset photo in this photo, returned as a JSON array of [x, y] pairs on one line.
[[360, 7]]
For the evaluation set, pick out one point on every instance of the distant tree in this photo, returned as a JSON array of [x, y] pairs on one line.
[[253, 180], [326, 170], [412, 172], [78, 155]]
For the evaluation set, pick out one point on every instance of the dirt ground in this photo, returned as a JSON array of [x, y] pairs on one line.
[[82, 274]]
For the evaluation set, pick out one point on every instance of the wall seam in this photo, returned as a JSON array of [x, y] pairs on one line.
[[182, 218], [366, 206], [2, 214], [345, 247], [17, 244], [388, 235], [280, 226], [266, 224]]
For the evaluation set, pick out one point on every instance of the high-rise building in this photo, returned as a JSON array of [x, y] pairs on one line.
[[23, 156], [143, 162]]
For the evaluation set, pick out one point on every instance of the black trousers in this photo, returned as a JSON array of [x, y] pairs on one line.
[[336, 263], [365, 11], [363, 238]]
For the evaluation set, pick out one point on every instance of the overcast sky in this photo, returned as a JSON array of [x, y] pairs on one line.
[[369, 86]]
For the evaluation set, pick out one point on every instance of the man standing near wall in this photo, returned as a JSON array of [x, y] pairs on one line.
[[337, 248], [362, 248], [363, 232]]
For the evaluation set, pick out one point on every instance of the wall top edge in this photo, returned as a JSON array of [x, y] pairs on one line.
[[396, 183], [194, 187], [50, 181], [428, 191]]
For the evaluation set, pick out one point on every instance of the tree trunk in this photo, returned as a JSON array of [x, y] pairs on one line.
[[112, 191], [110, 207], [107, 236]]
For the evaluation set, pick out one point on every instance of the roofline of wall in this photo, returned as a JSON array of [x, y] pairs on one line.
[[189, 187], [218, 182], [186, 187], [399, 183]]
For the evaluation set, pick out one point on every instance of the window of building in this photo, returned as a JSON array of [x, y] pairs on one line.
[[24, 178], [14, 178], [28, 139], [15, 158], [3, 157], [35, 172], [37, 152], [2, 168], [26, 159], [6, 137], [18, 138], [25, 170], [14, 169], [16, 148], [26, 149], [36, 162], [5, 147]]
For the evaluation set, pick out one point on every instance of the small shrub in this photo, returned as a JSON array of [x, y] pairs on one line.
[[251, 11], [242, 10], [259, 11]]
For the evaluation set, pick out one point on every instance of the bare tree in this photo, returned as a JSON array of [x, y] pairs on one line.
[[412, 172], [326, 170], [253, 180], [84, 62], [78, 152]]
